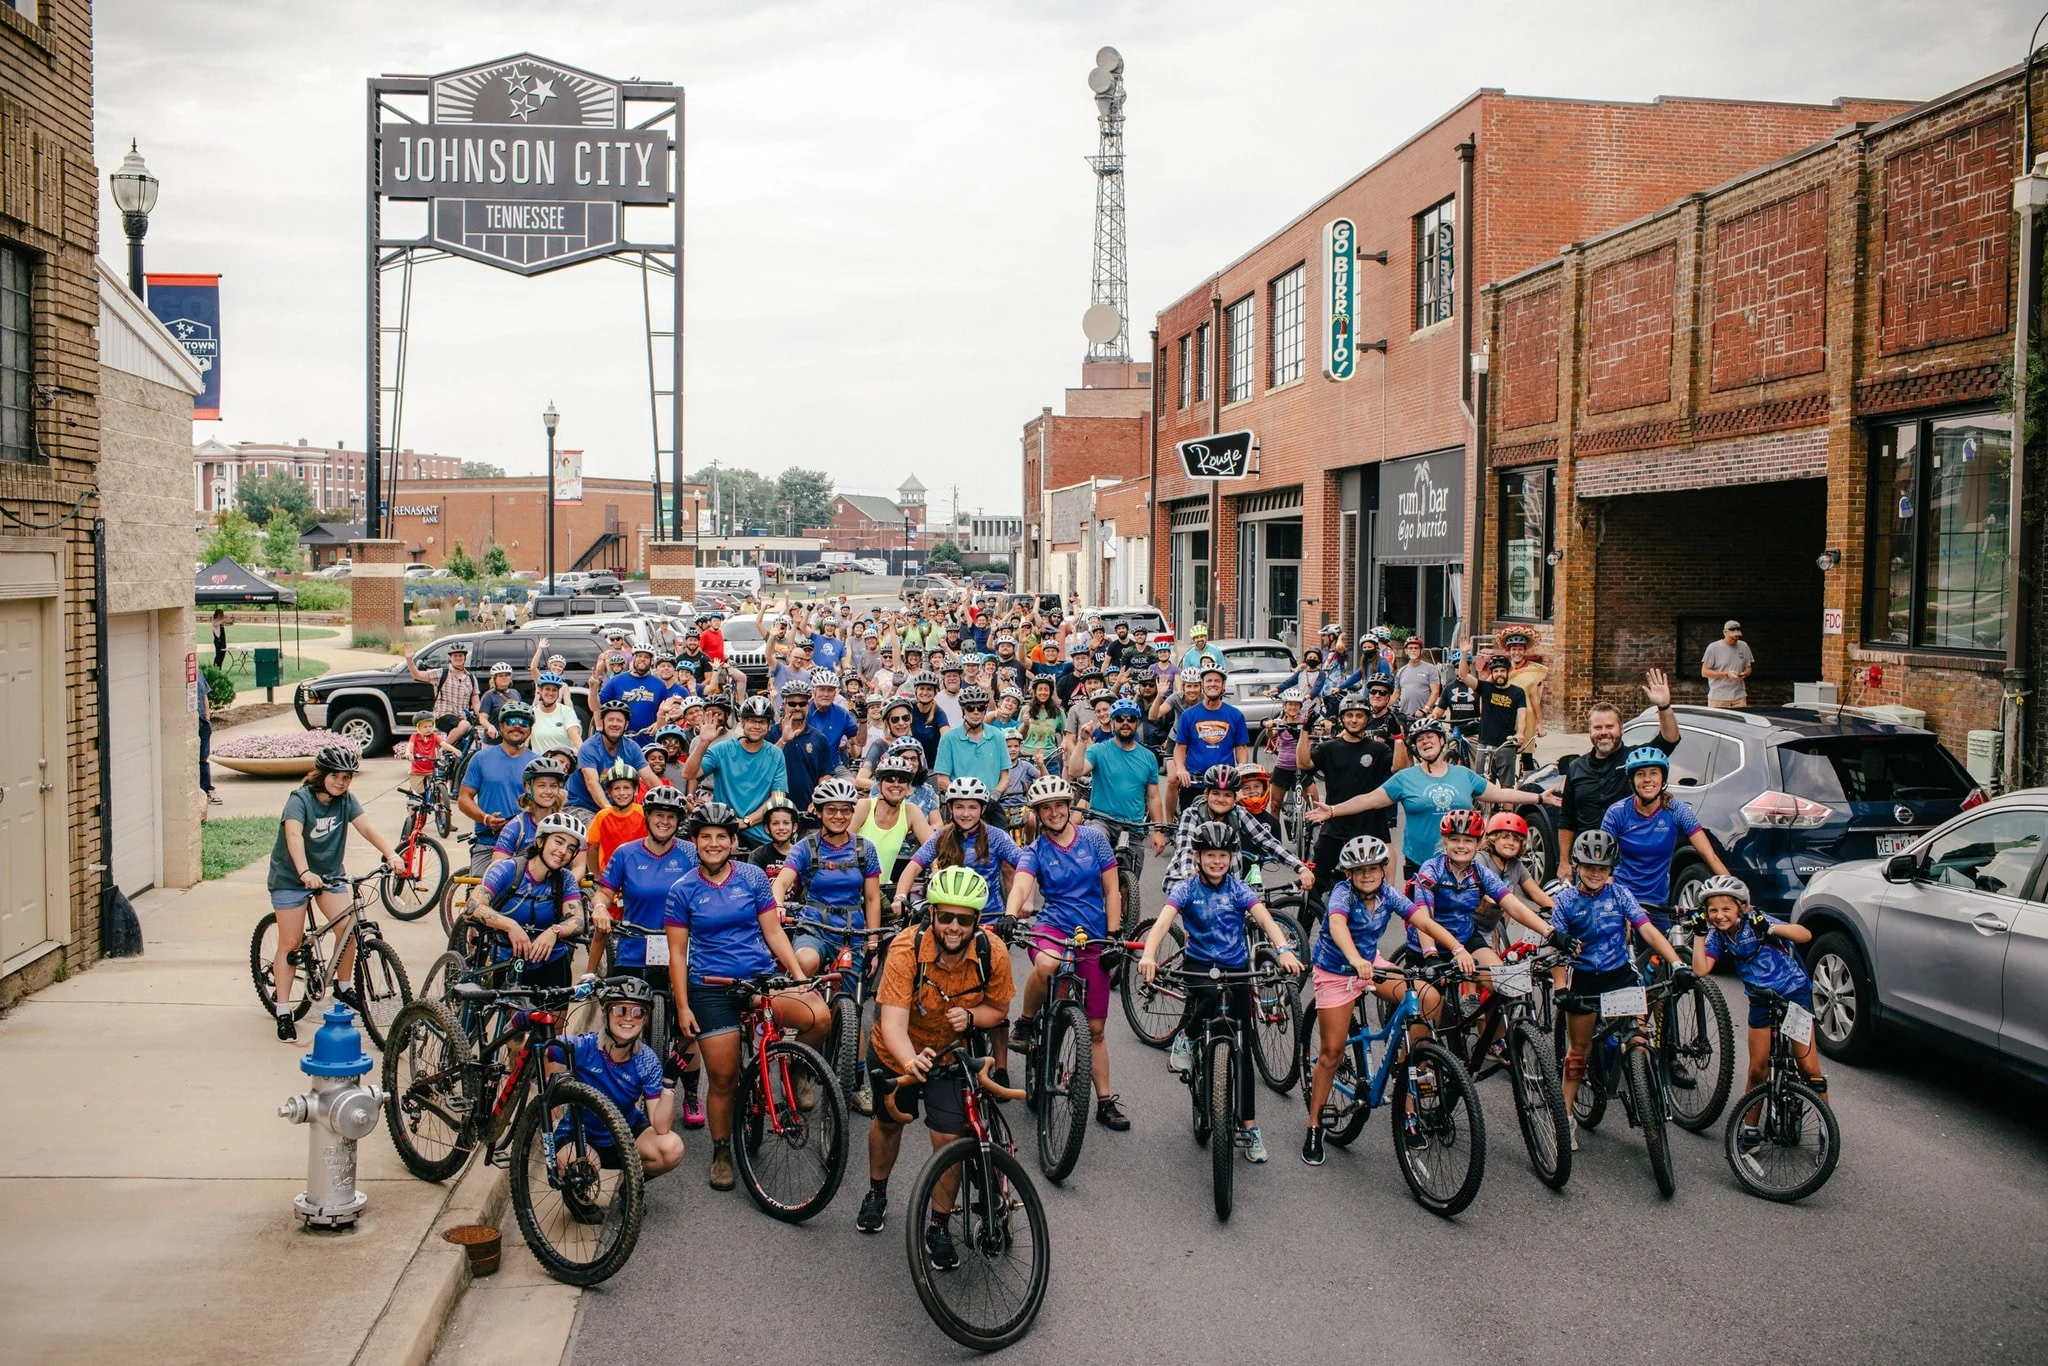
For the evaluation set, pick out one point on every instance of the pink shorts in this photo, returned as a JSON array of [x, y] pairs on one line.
[[1087, 964], [1336, 990]]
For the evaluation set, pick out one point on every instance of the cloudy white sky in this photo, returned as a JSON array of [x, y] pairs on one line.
[[889, 216]]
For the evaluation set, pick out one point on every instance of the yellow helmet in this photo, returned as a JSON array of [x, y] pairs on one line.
[[957, 886]]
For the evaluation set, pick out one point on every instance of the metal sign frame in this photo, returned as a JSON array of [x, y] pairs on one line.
[[1237, 460], [643, 111]]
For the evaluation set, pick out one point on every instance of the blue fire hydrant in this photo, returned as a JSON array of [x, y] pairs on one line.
[[339, 1111]]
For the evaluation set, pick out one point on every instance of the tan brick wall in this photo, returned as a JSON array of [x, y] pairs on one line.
[[145, 463], [377, 601]]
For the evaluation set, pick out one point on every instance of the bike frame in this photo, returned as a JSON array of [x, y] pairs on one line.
[[1394, 1033], [311, 963]]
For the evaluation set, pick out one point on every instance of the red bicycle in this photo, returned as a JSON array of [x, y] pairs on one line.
[[425, 860], [789, 1114]]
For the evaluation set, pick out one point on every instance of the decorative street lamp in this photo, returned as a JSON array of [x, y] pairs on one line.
[[548, 419], [134, 195]]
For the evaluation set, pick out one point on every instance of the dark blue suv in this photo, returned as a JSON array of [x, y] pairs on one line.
[[1785, 792]]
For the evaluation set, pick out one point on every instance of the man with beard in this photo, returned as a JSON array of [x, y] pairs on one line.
[[1597, 780], [1353, 762]]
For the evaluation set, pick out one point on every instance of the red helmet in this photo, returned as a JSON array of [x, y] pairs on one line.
[[1466, 822], [1506, 822]]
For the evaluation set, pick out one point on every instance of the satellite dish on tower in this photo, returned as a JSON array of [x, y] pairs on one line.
[[1100, 80], [1102, 324], [1109, 59]]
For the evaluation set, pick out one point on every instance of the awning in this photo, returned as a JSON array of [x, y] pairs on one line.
[[225, 582]]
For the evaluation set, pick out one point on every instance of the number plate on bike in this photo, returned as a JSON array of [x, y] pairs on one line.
[[657, 950], [1511, 979], [1626, 1001], [1798, 1026]]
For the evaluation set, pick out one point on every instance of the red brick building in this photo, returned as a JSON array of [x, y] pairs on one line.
[[609, 529], [866, 523], [1491, 188], [1104, 434], [333, 475], [1784, 400]]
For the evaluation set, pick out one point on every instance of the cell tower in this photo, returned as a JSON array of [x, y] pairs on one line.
[[1106, 321]]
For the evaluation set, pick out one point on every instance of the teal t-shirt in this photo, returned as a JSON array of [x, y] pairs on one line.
[[1425, 799], [323, 827], [741, 780], [1121, 777], [959, 757]]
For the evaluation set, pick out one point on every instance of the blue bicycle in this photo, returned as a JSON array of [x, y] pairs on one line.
[[1439, 1130]]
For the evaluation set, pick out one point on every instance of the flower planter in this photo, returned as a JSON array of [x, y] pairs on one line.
[[297, 767]]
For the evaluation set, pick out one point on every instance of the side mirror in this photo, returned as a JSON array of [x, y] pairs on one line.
[[1902, 868]]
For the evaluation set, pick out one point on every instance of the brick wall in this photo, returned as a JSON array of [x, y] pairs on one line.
[[376, 594], [1948, 238], [1527, 364], [1628, 310], [513, 514], [1770, 283]]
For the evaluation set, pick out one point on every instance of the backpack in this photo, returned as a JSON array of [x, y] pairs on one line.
[[851, 857], [559, 880]]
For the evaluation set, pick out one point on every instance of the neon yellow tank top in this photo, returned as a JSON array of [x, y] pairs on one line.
[[888, 840]]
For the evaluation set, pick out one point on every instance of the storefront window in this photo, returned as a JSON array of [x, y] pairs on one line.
[[1940, 522], [1527, 500]]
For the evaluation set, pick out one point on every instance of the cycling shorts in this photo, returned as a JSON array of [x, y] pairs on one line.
[[943, 1098], [607, 1155], [292, 898], [1591, 985], [1087, 964], [1760, 1011]]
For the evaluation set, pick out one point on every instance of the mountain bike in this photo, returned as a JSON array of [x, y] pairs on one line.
[[1626, 1060], [1216, 1081], [1493, 1029], [992, 1297], [1782, 1141], [789, 1115], [850, 990], [426, 863], [381, 987], [1439, 1130], [1059, 1060], [1698, 1040], [577, 1187]]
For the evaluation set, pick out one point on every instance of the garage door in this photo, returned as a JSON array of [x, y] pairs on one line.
[[132, 744]]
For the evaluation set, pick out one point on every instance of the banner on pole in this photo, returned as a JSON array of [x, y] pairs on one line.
[[568, 477], [189, 308]]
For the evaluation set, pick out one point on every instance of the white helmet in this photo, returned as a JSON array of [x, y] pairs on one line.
[[967, 790], [559, 823], [836, 789], [1050, 788]]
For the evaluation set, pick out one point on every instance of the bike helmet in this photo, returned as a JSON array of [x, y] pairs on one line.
[[550, 680], [715, 816], [895, 705], [1050, 788], [559, 823], [1294, 695], [756, 708], [1428, 725], [1515, 638], [1465, 822], [966, 789], [796, 690], [1596, 847], [896, 767], [1382, 634], [1249, 770], [973, 695], [1506, 822], [1220, 778], [1212, 666], [665, 798], [951, 665], [1362, 851], [824, 678], [1498, 662], [619, 991], [1646, 756], [718, 701], [779, 802], [500, 668], [1379, 683], [1719, 885], [607, 708], [1009, 640], [544, 768], [643, 648], [1331, 629], [957, 885], [515, 714], [338, 759], [1145, 674], [836, 789], [924, 678], [1124, 709], [664, 657], [619, 772], [1214, 835]]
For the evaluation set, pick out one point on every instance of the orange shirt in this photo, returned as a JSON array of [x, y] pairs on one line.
[[941, 989], [611, 828]]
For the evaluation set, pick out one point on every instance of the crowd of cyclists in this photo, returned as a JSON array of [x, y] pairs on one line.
[[956, 780]]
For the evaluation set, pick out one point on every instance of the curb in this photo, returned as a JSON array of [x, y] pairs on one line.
[[437, 1275]]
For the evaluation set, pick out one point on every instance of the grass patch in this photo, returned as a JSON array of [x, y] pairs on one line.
[[240, 633], [234, 842]]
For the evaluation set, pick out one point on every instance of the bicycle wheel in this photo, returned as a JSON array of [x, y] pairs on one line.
[[1154, 1008], [1345, 1113], [1795, 1147], [1221, 1083], [1539, 1104], [1063, 1101], [1699, 1054], [1276, 1050], [1646, 1102], [790, 1157], [262, 957], [992, 1297], [444, 816], [1444, 1159], [579, 1199], [843, 1045], [1589, 1107], [381, 986], [409, 898], [1127, 885], [427, 1102]]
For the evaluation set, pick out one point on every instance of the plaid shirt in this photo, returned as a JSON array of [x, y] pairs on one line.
[[1251, 834]]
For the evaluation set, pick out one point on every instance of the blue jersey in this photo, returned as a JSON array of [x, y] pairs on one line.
[[1211, 736], [529, 903], [1452, 901], [1763, 964], [1424, 798], [1600, 924], [744, 779], [595, 753], [1213, 918], [1365, 918], [639, 883], [835, 723], [642, 693], [827, 651], [1070, 880], [628, 1085], [724, 921], [499, 781], [806, 760], [517, 834], [834, 877], [1002, 852], [1647, 843]]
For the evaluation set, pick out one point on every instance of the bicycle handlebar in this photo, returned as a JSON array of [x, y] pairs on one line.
[[981, 1075]]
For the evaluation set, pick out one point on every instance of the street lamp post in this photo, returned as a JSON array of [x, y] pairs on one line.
[[134, 195], [549, 419]]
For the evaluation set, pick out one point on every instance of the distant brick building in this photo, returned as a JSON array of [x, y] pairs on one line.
[[1104, 434], [866, 523], [1783, 400], [333, 475], [609, 529]]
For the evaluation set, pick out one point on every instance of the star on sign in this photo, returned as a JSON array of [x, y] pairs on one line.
[[526, 94]]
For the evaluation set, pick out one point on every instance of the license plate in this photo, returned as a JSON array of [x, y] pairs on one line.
[[1798, 1026], [1894, 844], [657, 950], [1511, 979], [1627, 1001]]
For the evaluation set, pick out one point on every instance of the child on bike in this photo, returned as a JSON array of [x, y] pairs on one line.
[[1347, 958], [1254, 794], [1500, 849], [1452, 885], [1214, 905], [1761, 947], [622, 820], [1010, 788], [617, 1063], [423, 750], [1281, 737]]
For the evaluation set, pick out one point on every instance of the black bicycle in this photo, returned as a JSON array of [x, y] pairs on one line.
[[1059, 1060], [1782, 1140], [381, 986], [850, 990], [1698, 1040], [1217, 1080], [1626, 1061]]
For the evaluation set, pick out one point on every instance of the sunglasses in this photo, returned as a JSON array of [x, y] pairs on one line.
[[967, 918], [630, 1012]]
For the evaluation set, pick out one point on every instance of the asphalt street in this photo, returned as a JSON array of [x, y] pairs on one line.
[[1930, 1244]]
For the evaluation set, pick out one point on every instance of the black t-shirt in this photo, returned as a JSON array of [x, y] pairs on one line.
[[1385, 727], [1592, 784], [1499, 705], [694, 667], [1351, 768], [1460, 702]]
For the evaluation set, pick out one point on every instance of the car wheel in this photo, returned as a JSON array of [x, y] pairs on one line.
[[1684, 878], [1540, 849], [1843, 998], [363, 729]]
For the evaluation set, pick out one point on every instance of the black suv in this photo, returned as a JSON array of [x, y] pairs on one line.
[[373, 707], [1786, 792]]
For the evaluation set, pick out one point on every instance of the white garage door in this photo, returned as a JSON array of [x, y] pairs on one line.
[[132, 740]]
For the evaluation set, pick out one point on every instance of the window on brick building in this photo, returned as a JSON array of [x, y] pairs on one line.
[[1284, 307], [1527, 500], [1159, 390], [1187, 377], [17, 356], [1436, 272], [1203, 365], [1239, 341], [1940, 521]]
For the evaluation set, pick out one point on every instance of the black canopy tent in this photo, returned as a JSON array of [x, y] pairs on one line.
[[225, 583]]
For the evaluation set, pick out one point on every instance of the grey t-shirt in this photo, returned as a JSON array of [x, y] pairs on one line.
[[323, 827], [1412, 683], [1724, 658]]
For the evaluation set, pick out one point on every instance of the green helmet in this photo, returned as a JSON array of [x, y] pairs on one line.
[[957, 886]]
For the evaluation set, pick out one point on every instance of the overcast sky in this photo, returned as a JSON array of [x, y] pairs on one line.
[[889, 217]]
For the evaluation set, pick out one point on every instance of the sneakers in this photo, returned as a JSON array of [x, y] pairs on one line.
[[723, 1178], [938, 1245], [863, 1099], [347, 996], [1747, 1141], [1572, 1124], [693, 1112], [802, 1095], [1312, 1146], [1110, 1115], [874, 1212], [1253, 1143], [213, 798], [287, 1027], [1181, 1057], [1024, 1033], [1411, 1133]]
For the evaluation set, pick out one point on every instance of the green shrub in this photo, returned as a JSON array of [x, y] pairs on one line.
[[323, 595], [220, 689]]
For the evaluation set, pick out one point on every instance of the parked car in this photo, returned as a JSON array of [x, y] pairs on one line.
[[603, 586], [1256, 665], [872, 566], [334, 571], [931, 585], [1946, 939], [1139, 619], [992, 582], [417, 570], [812, 573]]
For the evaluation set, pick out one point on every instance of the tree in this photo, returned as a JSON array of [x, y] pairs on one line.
[[810, 491], [459, 564], [482, 469], [745, 498], [945, 552], [234, 537], [496, 564], [281, 549], [270, 493]]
